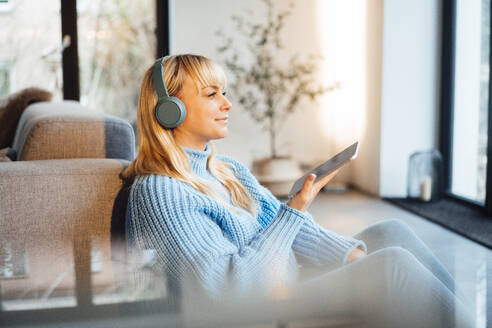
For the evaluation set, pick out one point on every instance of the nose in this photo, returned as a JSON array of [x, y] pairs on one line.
[[226, 105]]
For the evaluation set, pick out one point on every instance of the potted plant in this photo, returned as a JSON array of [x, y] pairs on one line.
[[268, 90]]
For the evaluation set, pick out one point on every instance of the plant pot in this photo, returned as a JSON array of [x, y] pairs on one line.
[[277, 174]]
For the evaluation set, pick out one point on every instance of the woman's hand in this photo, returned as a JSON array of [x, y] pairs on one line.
[[309, 191], [355, 255]]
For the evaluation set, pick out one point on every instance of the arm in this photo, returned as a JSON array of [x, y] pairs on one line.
[[168, 218], [313, 244], [318, 246]]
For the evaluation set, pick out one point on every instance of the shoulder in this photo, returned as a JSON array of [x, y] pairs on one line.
[[151, 181], [161, 199]]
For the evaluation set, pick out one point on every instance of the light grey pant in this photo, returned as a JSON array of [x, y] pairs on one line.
[[400, 283]]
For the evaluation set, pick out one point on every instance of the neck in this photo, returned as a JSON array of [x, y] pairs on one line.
[[189, 142], [198, 159], [199, 147]]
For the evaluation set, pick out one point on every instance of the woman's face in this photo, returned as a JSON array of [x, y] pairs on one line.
[[206, 115]]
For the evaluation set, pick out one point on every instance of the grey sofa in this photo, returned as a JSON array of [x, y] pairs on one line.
[[58, 204]]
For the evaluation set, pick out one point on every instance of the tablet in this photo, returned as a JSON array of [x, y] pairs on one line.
[[328, 167]]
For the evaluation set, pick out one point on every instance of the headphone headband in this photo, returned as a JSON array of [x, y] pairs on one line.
[[169, 111], [158, 77]]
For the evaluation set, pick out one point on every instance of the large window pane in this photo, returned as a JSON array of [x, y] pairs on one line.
[[116, 44], [469, 160], [30, 39]]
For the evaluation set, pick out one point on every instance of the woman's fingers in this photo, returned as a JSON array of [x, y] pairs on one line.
[[309, 191], [307, 187], [303, 198], [308, 182]]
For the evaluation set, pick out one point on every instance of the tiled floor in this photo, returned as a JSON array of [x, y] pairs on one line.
[[470, 263]]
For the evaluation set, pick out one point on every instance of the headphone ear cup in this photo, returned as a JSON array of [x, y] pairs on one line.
[[170, 112]]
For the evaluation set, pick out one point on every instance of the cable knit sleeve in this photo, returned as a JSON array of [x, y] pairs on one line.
[[322, 247], [167, 217], [313, 244]]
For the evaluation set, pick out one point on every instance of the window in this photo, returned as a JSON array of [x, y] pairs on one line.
[[116, 45], [117, 42], [33, 28], [465, 98]]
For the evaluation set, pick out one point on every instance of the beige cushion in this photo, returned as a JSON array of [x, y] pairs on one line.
[[56, 130]]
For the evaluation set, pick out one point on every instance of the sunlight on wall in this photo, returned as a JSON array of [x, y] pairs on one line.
[[342, 26]]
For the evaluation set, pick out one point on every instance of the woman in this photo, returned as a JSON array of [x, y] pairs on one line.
[[213, 225]]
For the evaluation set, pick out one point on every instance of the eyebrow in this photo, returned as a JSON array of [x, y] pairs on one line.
[[211, 86]]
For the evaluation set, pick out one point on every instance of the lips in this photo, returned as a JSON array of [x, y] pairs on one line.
[[222, 119]]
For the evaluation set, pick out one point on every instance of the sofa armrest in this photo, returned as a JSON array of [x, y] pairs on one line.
[[58, 212], [57, 130]]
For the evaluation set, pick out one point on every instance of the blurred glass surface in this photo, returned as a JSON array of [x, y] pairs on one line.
[[118, 278], [27, 282]]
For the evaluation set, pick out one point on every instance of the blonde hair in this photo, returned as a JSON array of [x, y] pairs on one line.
[[159, 152]]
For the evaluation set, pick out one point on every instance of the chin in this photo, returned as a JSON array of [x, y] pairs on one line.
[[221, 135]]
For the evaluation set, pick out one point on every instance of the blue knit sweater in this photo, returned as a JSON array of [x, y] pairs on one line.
[[224, 249]]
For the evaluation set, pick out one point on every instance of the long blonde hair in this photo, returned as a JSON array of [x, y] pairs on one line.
[[159, 152]]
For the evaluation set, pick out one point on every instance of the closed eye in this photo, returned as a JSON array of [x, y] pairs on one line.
[[214, 93]]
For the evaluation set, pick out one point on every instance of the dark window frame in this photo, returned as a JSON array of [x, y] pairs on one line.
[[70, 55], [162, 28], [447, 107]]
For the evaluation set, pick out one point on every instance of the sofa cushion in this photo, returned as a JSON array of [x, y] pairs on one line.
[[57, 130]]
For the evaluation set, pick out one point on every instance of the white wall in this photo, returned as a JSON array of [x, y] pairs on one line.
[[313, 132], [385, 55], [196, 23], [410, 87], [366, 168]]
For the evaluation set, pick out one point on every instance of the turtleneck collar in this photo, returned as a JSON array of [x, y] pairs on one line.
[[198, 159]]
